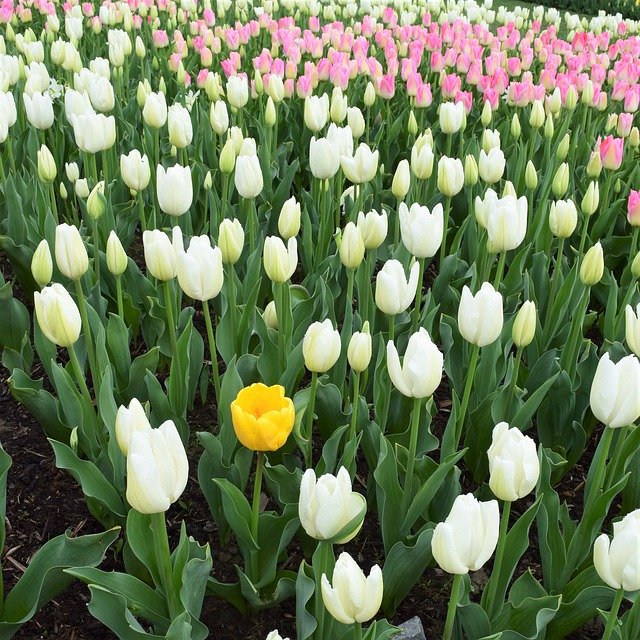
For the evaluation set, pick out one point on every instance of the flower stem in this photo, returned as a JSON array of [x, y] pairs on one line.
[[54, 206], [163, 560], [413, 445], [471, 373], [119, 296], [255, 514], [143, 222], [554, 287], [96, 250], [232, 306], [357, 631], [512, 383], [492, 586], [309, 419], [613, 614], [212, 350], [443, 246], [168, 303], [354, 411], [599, 473], [451, 609], [499, 270], [392, 323], [418, 302], [88, 340], [79, 374]]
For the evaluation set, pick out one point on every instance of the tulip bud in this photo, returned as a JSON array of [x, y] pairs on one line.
[[480, 316], [174, 189], [280, 261], [611, 122], [549, 129], [328, 504], [592, 266], [591, 199], [401, 180], [63, 191], [563, 218], [270, 113], [491, 165], [509, 190], [635, 266], [207, 183], [289, 219], [70, 252], [373, 227], [82, 188], [129, 420], [487, 114], [632, 328], [72, 171], [369, 95], [228, 157], [351, 246], [230, 240], [524, 327], [571, 98], [58, 315], [516, 129], [270, 316], [46, 165], [468, 536], [634, 138], [359, 349], [563, 148], [470, 170], [200, 273], [561, 180], [140, 49], [248, 176], [421, 230], [320, 346], [42, 264], [355, 120], [514, 467], [346, 600], [594, 166], [338, 109], [161, 253], [555, 101], [530, 176], [412, 125], [450, 176], [96, 202], [116, 256], [536, 119], [451, 116]]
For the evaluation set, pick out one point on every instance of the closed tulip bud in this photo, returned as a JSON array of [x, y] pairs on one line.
[[316, 112], [536, 119], [491, 165], [487, 114], [490, 140], [141, 94], [116, 256], [412, 124], [615, 391], [514, 467], [591, 199], [157, 468], [401, 180], [46, 165], [470, 170], [516, 128], [634, 137], [270, 317], [174, 189], [450, 176], [422, 161], [480, 316], [549, 129], [289, 219], [394, 293], [421, 229], [71, 254], [324, 159], [200, 273], [228, 157], [616, 560], [594, 166], [339, 105], [373, 227], [587, 93], [328, 508], [563, 218], [612, 121], [369, 95], [155, 110], [129, 420], [180, 127], [58, 315], [554, 101], [321, 347], [140, 49], [355, 120], [270, 113], [72, 171], [635, 266], [451, 116], [63, 191], [248, 176], [82, 188], [258, 82], [592, 267], [42, 264], [39, 109], [506, 223], [238, 91], [561, 180], [96, 202], [359, 349], [509, 189], [531, 176], [280, 261], [135, 170], [219, 117], [571, 98], [351, 246], [420, 373], [524, 327], [468, 536], [563, 148], [161, 253], [632, 328], [362, 166], [353, 597]]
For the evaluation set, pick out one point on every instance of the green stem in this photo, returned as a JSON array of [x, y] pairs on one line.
[[232, 306], [554, 286], [12, 162], [575, 336], [492, 587], [119, 296], [451, 609], [163, 561], [413, 445], [499, 270], [79, 374], [354, 411], [96, 250], [418, 302], [443, 246], [583, 235], [348, 305], [512, 383], [309, 419], [257, 489], [392, 323], [357, 631], [468, 385], [168, 303], [86, 328], [599, 474], [612, 620], [212, 350], [54, 205], [322, 563], [143, 222]]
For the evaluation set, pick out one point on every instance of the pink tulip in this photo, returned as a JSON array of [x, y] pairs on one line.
[[633, 208], [611, 150]]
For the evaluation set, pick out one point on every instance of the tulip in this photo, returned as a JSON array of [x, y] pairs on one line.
[[549, 128], [470, 170], [353, 598], [530, 176], [129, 420], [369, 95], [491, 165], [490, 140], [316, 112], [536, 119], [615, 391], [116, 256], [592, 266], [480, 316], [227, 161], [421, 372], [46, 165], [72, 171], [248, 176], [270, 316], [506, 224], [324, 161], [81, 188], [633, 208], [563, 218], [591, 199], [356, 123], [359, 349], [57, 314], [362, 166], [275, 635], [219, 117], [238, 91], [351, 247], [524, 327], [632, 328], [422, 161], [263, 417], [199, 271], [42, 264], [94, 132], [328, 507], [401, 180], [280, 261], [516, 127], [394, 293], [450, 176], [270, 115], [71, 254], [161, 253], [373, 227], [594, 166], [180, 127], [155, 110], [39, 108], [421, 229], [616, 560], [611, 152], [174, 189], [135, 170], [289, 219], [157, 468], [321, 346], [561, 180], [96, 203], [451, 117], [230, 240], [514, 467]]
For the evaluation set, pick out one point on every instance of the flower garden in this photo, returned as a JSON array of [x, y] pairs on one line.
[[317, 316]]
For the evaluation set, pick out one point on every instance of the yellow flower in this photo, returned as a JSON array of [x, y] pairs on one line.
[[263, 417]]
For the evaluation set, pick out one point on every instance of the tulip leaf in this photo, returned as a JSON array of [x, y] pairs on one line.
[[474, 621], [389, 495], [136, 376], [14, 318], [305, 588], [531, 404]]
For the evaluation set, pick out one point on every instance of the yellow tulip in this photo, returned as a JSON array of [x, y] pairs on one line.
[[263, 417]]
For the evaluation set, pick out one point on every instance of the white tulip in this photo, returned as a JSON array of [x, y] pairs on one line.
[[421, 229], [200, 272], [394, 293], [480, 316], [506, 223], [174, 189], [321, 346], [617, 561]]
